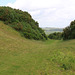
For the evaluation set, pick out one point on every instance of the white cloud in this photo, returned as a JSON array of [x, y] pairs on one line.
[[34, 4], [56, 13]]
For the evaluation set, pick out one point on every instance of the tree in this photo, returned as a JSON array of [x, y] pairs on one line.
[[69, 32]]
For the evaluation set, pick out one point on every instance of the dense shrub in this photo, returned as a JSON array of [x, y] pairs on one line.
[[55, 35], [22, 22]]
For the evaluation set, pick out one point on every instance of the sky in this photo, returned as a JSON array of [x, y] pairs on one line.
[[48, 13]]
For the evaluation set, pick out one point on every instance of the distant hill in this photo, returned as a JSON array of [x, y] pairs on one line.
[[49, 30], [23, 22]]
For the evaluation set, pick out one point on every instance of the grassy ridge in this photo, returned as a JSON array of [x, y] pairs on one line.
[[20, 56]]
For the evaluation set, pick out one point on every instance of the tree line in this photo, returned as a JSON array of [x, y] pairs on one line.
[[67, 34]]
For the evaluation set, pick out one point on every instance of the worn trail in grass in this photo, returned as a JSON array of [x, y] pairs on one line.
[[20, 56]]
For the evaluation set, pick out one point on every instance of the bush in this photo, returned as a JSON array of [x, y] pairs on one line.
[[57, 36]]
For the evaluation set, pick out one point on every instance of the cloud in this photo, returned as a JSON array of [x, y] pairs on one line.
[[34, 4], [49, 13]]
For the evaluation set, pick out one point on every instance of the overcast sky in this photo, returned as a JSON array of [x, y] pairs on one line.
[[49, 13]]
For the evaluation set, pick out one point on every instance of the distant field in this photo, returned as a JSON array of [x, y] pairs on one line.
[[20, 56], [49, 30]]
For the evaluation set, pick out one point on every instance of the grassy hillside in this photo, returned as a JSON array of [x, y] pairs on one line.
[[20, 56], [49, 30]]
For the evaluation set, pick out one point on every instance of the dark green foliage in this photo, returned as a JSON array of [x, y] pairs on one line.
[[69, 32], [22, 22], [55, 35], [66, 66], [66, 33]]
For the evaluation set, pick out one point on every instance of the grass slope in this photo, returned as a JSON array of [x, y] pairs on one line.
[[20, 56]]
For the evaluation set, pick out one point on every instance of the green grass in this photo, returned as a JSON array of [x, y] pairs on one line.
[[20, 56]]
